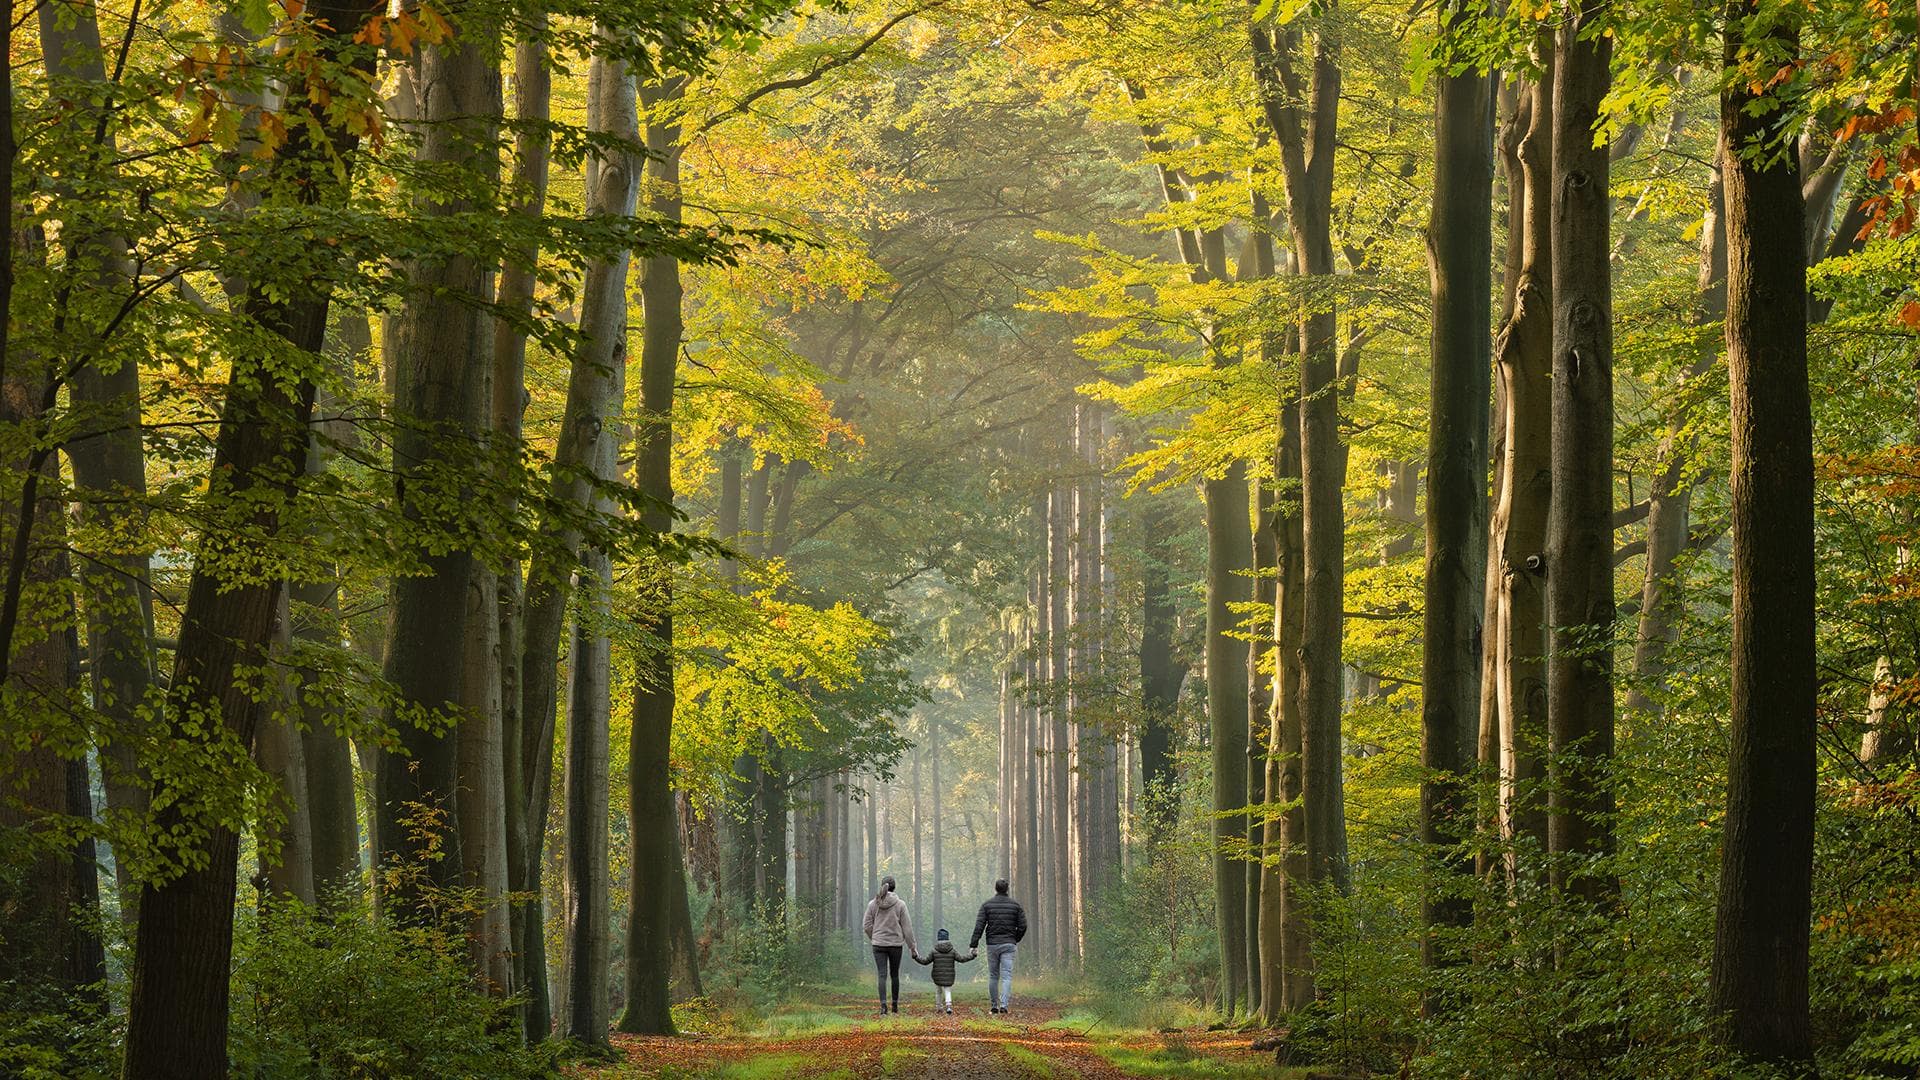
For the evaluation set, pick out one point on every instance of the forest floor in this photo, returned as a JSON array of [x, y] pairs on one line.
[[841, 1037]]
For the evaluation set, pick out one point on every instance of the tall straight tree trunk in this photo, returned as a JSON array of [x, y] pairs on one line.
[[1304, 116], [480, 806], [1759, 973], [1580, 605], [1260, 704], [586, 1017], [919, 753], [441, 401], [939, 826], [1525, 363], [1027, 869], [1287, 944], [870, 883], [1159, 675], [50, 896], [1459, 242], [333, 817], [1229, 559], [277, 749], [600, 371], [1005, 802], [1512, 110], [109, 471], [177, 1014], [532, 107], [657, 882], [1060, 760]]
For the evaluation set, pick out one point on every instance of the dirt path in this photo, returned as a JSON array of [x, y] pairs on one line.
[[916, 1044]]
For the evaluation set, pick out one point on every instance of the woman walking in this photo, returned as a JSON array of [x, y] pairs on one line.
[[890, 932]]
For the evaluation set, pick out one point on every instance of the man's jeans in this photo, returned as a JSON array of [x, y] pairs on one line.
[[1000, 974]]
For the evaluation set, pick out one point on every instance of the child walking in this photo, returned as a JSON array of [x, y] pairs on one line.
[[943, 957]]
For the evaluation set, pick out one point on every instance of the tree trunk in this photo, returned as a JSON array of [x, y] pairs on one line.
[[587, 1017], [1229, 558], [1159, 676], [1027, 868], [1669, 504], [532, 107], [441, 400], [332, 816], [1759, 973], [919, 752], [657, 886], [1519, 531], [1580, 605], [1004, 790], [50, 896], [939, 825], [1059, 743], [177, 1015], [1459, 239], [1305, 126], [286, 873], [1260, 705], [596, 382], [109, 475]]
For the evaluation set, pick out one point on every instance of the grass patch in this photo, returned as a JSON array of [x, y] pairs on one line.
[[900, 1060], [797, 1023], [1177, 1061], [1080, 1022], [760, 1067], [1031, 1063]]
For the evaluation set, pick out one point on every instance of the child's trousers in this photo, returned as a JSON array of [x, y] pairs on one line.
[[945, 996]]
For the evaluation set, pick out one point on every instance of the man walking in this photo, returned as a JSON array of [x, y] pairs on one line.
[[1004, 922]]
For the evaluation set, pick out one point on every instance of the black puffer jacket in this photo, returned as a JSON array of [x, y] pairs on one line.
[[943, 958], [1002, 920]]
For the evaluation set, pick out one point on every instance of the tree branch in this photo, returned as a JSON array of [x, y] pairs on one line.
[[812, 76]]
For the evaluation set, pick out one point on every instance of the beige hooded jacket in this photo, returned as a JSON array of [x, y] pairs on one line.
[[886, 923]]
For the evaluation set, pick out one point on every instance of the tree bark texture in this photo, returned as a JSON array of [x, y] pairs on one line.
[[1229, 560], [1459, 240], [532, 101], [1524, 355], [441, 399], [1580, 605], [657, 885], [1759, 973], [177, 1014]]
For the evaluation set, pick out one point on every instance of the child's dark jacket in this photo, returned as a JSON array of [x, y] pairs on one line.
[[943, 957]]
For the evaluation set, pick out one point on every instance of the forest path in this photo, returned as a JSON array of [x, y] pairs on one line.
[[848, 1038]]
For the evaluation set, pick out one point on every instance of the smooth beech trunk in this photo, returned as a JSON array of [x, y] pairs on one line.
[[656, 887], [1459, 240], [441, 399], [532, 100], [1259, 732], [1303, 113], [108, 457], [1759, 974], [613, 179], [1059, 736], [1580, 605], [285, 829], [1524, 355], [50, 891], [1160, 675], [177, 1014]]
